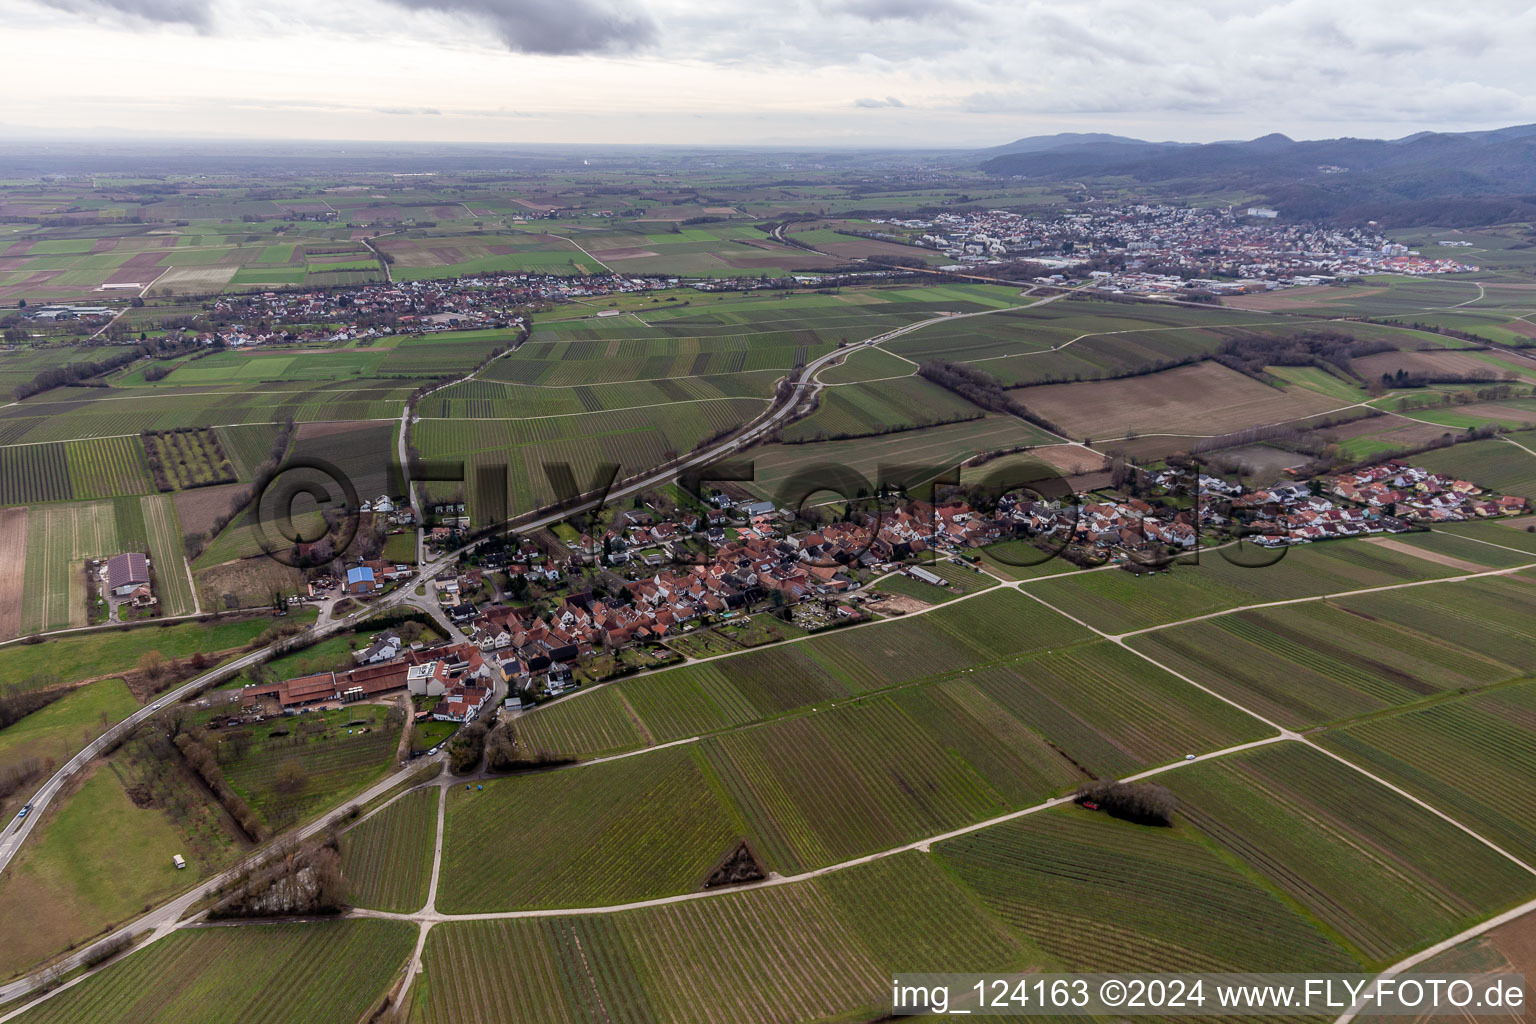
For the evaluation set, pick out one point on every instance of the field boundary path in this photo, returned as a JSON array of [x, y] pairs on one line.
[[583, 249]]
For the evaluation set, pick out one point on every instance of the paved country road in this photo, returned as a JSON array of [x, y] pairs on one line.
[[163, 918]]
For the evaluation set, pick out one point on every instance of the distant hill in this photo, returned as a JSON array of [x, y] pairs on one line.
[[1043, 143], [1428, 177]]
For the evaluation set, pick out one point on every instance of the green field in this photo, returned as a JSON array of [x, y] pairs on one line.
[[336, 761], [331, 971], [612, 833], [173, 583], [593, 722], [67, 414], [1096, 894], [400, 548], [73, 658], [804, 952], [867, 364], [247, 446], [1381, 873], [57, 731], [931, 758], [387, 859], [1322, 661], [69, 885], [860, 410], [107, 467], [33, 473], [634, 439], [59, 540], [1471, 757], [919, 760], [1120, 602], [924, 454]]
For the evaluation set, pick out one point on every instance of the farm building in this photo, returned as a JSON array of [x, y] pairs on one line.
[[127, 573], [918, 572], [360, 580], [357, 684]]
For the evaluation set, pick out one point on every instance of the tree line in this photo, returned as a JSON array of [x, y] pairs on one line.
[[981, 389], [201, 759], [1329, 351], [1144, 803]]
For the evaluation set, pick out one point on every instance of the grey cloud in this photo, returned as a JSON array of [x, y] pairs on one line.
[[553, 26], [161, 12], [872, 103], [897, 10], [408, 111]]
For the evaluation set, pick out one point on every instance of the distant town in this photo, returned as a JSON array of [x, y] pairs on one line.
[[1157, 250]]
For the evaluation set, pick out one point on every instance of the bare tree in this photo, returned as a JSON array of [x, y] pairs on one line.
[[291, 777], [152, 665]]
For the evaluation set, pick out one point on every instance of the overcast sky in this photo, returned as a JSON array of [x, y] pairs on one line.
[[845, 72]]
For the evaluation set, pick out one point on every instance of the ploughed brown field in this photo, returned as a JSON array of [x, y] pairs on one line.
[[1206, 398], [13, 564], [1430, 361]]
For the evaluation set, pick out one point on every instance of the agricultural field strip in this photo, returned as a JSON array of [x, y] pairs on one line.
[[1119, 637], [880, 339], [920, 845], [1298, 737], [626, 380], [1255, 426], [216, 426], [104, 627], [589, 412], [1482, 293], [1149, 330], [872, 380], [853, 315], [1517, 444], [379, 384], [1415, 419]]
